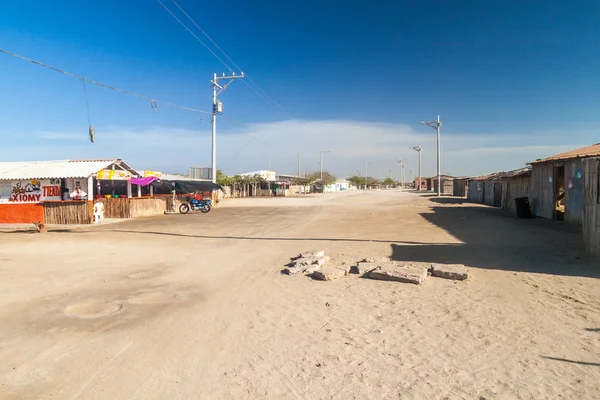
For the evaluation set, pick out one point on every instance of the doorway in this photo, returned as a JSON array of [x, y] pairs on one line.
[[559, 192], [497, 194]]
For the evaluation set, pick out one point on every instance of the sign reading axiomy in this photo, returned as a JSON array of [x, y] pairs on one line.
[[32, 191]]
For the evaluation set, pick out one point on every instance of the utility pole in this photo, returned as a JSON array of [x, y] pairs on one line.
[[218, 109], [323, 152], [400, 178], [298, 164], [437, 125], [418, 149], [367, 174]]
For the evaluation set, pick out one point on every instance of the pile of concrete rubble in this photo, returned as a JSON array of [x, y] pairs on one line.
[[313, 263]]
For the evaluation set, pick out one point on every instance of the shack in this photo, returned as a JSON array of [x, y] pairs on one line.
[[57, 192], [486, 190], [459, 186], [515, 184], [558, 184]]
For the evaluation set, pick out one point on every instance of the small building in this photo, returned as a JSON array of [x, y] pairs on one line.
[[566, 187], [459, 186], [422, 183], [339, 185], [558, 188], [515, 184], [59, 192], [486, 190], [447, 184]]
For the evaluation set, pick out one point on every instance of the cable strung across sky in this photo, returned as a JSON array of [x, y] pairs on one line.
[[153, 102], [264, 95]]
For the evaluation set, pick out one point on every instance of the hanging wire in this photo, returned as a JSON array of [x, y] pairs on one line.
[[150, 99], [87, 106]]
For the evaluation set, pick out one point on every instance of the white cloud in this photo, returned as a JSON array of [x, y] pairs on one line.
[[352, 143]]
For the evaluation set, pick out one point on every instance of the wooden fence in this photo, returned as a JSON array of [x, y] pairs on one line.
[[67, 212]]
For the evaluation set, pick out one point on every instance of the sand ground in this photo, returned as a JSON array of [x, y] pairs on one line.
[[194, 306]]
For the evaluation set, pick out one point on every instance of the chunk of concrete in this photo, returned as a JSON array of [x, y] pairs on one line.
[[399, 273], [449, 271], [311, 254], [293, 270], [302, 262], [311, 268], [329, 273], [363, 268]]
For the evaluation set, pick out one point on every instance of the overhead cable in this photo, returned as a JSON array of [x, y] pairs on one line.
[[152, 101]]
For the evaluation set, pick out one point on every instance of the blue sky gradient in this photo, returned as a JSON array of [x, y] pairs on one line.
[[512, 80]]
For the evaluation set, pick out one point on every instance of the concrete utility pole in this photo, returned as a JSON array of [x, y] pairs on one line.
[[218, 109], [400, 177], [367, 174], [298, 164], [419, 149], [437, 125], [323, 152]]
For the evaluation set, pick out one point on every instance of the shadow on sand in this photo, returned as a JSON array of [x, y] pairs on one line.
[[494, 239]]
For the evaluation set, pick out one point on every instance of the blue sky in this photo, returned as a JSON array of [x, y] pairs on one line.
[[513, 81]]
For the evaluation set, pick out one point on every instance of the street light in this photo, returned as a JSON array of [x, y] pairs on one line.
[[419, 149], [437, 125], [401, 176]]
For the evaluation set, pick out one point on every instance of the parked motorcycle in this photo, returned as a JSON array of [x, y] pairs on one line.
[[195, 204]]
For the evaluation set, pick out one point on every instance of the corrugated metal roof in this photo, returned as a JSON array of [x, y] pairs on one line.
[[500, 175], [53, 169], [584, 152]]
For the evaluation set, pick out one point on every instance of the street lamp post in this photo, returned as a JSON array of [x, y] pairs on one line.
[[437, 125], [419, 149]]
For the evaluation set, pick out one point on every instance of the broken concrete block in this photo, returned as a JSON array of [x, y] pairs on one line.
[[329, 273], [311, 254], [293, 270], [311, 268], [320, 260], [363, 268], [302, 262], [449, 271], [399, 273]]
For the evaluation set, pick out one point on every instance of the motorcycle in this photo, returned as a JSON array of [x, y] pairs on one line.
[[195, 204]]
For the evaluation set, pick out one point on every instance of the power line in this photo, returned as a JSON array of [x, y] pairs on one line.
[[227, 120], [266, 96], [233, 62], [193, 34], [153, 101], [237, 153]]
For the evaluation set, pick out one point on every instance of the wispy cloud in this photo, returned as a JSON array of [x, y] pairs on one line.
[[277, 144]]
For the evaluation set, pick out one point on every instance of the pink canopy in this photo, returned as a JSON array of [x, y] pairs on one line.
[[143, 181]]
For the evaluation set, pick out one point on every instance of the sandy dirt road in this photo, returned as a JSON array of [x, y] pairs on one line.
[[194, 306]]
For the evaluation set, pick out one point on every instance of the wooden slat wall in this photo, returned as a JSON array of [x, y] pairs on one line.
[[145, 207], [117, 208], [512, 188], [542, 191], [68, 212], [474, 195], [591, 214]]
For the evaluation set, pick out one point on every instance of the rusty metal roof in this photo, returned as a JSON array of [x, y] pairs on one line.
[[584, 152], [501, 175]]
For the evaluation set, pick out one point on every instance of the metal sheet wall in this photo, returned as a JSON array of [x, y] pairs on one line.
[[512, 188], [574, 191], [542, 191], [591, 214]]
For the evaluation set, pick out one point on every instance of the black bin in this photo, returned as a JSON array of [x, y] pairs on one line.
[[523, 208]]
